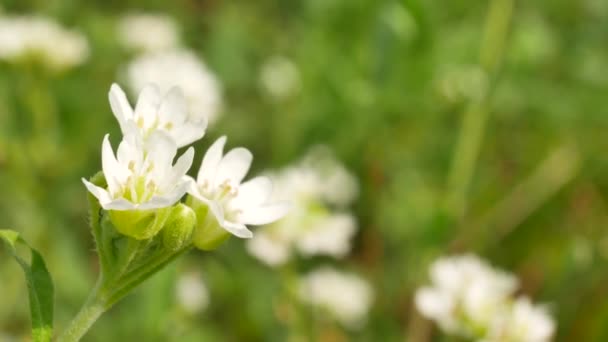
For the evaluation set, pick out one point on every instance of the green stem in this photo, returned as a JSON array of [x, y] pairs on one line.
[[139, 275], [476, 115], [92, 309]]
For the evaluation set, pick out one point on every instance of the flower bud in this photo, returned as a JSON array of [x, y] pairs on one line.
[[139, 224], [208, 234], [178, 228]]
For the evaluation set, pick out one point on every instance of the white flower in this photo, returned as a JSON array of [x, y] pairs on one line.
[[318, 188], [22, 37], [524, 322], [465, 295], [154, 112], [183, 69], [234, 205], [142, 177], [148, 32], [192, 293], [330, 235], [280, 77], [346, 297], [271, 249]]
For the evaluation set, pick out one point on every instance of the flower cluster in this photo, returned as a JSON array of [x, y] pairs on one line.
[[144, 187], [319, 189], [182, 68], [164, 62], [23, 37], [471, 299], [346, 297]]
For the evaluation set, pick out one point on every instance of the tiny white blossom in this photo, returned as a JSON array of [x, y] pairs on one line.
[[59, 48], [192, 294], [330, 235], [141, 176], [148, 32], [466, 294], [319, 188], [271, 249], [156, 111], [183, 69], [280, 77], [234, 205], [523, 322], [346, 297]]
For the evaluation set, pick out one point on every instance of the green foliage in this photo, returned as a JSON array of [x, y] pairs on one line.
[[39, 284]]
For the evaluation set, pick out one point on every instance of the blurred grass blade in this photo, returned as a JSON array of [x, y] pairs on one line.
[[40, 287]]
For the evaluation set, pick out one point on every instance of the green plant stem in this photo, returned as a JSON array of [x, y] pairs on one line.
[[476, 115], [91, 310]]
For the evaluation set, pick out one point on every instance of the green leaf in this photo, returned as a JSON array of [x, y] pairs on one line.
[[40, 287]]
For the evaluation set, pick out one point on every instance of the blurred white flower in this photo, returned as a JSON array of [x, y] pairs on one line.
[[154, 111], [318, 188], [192, 294], [142, 176], [462, 83], [346, 297], [523, 322], [183, 69], [235, 205], [148, 32], [465, 294], [330, 235], [23, 37], [471, 299], [269, 248], [280, 77]]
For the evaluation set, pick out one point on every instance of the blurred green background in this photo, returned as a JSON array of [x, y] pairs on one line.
[[387, 85]]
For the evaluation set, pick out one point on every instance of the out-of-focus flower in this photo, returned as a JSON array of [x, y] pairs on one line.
[[346, 297], [318, 188], [232, 204], [280, 77], [155, 112], [141, 176], [465, 294], [462, 83], [472, 299], [44, 40], [183, 69], [148, 32], [191, 292], [523, 322]]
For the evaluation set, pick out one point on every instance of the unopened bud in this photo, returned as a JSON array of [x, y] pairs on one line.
[[178, 228], [139, 224], [208, 234]]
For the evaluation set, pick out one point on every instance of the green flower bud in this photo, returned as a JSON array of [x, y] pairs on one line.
[[208, 234], [177, 232], [139, 224]]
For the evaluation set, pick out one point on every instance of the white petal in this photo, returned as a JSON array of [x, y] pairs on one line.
[[113, 171], [173, 107], [120, 106], [265, 214], [211, 161], [120, 204], [253, 193], [101, 194], [189, 132], [128, 150], [147, 104], [161, 150], [184, 162], [234, 166], [238, 229]]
